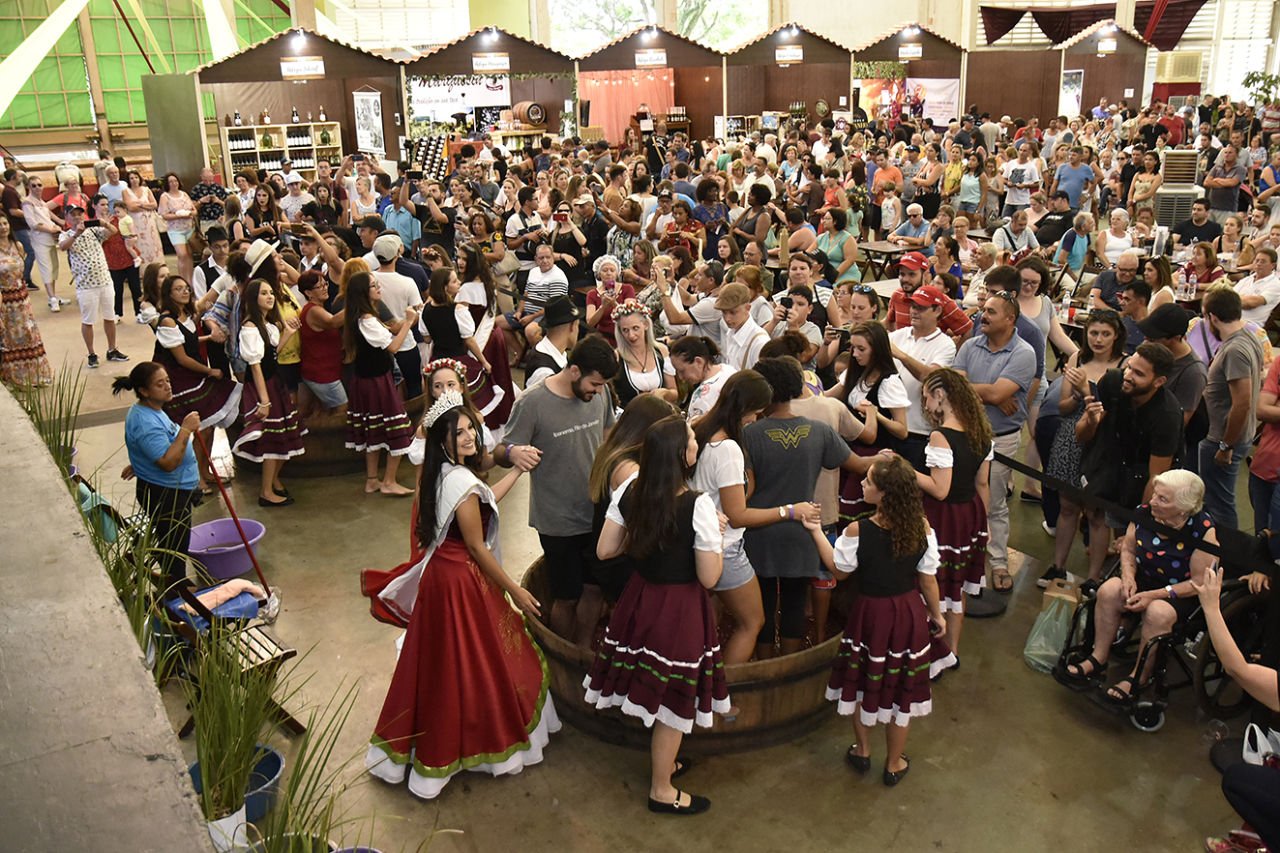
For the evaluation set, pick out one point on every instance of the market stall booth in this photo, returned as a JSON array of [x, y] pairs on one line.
[[680, 80], [493, 80], [931, 75], [789, 72], [1038, 73], [1103, 60], [302, 96]]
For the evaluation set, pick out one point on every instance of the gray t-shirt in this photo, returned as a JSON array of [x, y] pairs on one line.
[[1187, 380], [1239, 357], [1226, 198], [786, 455], [567, 431]]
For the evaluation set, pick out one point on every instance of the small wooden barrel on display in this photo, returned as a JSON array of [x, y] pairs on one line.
[[529, 112], [777, 700]]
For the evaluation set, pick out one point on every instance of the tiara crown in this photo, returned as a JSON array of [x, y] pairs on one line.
[[448, 401]]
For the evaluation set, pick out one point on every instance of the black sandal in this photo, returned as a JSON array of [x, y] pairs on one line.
[[1099, 669], [1114, 696], [861, 763]]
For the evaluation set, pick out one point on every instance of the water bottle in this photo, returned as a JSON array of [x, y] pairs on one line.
[[1065, 310]]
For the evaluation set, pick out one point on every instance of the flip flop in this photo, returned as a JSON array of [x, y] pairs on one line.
[[1001, 581]]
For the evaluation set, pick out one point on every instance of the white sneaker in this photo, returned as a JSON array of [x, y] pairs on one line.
[[54, 305], [62, 301], [1052, 531], [138, 319]]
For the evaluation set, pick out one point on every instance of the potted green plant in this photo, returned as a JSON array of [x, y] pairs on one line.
[[53, 411], [233, 711]]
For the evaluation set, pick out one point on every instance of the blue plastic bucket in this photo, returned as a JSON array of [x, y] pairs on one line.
[[264, 783]]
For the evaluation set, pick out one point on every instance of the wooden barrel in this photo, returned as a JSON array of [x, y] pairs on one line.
[[776, 700], [529, 112], [326, 439]]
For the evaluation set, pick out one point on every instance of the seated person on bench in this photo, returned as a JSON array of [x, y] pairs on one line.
[[1156, 575]]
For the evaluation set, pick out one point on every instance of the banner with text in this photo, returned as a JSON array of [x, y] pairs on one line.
[[438, 100]]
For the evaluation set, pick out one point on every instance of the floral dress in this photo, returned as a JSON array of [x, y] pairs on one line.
[[22, 357], [145, 228]]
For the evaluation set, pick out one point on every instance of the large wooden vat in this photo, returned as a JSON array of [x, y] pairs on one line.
[[776, 700]]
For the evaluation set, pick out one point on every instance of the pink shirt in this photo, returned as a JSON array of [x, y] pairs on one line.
[[1266, 459]]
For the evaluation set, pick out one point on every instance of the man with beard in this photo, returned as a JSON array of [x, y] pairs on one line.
[[555, 428], [951, 319], [1002, 367]]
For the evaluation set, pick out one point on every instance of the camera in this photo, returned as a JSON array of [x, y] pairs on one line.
[[559, 217], [786, 302], [414, 174], [92, 223]]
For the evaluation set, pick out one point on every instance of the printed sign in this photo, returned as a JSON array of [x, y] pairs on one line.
[[488, 63], [651, 57], [788, 54], [911, 50], [302, 67]]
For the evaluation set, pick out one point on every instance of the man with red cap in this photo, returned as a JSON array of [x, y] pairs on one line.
[[911, 275], [918, 350]]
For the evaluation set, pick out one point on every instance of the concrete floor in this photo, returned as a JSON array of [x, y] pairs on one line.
[[1008, 759]]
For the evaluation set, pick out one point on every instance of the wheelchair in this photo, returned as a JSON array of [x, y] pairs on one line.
[[1187, 648]]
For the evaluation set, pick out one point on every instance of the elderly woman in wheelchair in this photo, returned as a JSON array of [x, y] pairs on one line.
[[1157, 573]]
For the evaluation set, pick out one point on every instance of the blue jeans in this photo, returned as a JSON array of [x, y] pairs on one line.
[[967, 207], [29, 260], [1265, 499], [1220, 482], [1010, 209]]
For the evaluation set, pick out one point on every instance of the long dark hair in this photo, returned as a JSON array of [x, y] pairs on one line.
[[624, 440], [437, 290], [441, 448], [479, 270], [358, 304], [663, 474], [743, 393], [900, 502], [881, 362], [167, 304], [251, 311], [1103, 317], [965, 403], [137, 379]]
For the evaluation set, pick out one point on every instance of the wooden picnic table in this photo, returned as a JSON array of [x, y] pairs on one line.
[[879, 255]]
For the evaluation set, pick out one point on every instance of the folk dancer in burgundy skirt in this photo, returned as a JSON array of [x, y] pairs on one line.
[[955, 490], [490, 391], [198, 384], [660, 658], [882, 670], [272, 433], [874, 392], [470, 689], [376, 419]]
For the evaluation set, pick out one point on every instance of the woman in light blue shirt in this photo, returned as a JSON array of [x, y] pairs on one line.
[[163, 462]]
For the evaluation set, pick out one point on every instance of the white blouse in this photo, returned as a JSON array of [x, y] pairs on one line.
[[893, 394], [252, 348], [706, 523], [374, 333], [846, 555], [170, 337]]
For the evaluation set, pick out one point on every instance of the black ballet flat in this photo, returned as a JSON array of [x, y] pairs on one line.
[[264, 502], [697, 805], [282, 492], [683, 766], [861, 763], [891, 779]]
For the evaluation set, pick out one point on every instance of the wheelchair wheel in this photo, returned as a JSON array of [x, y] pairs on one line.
[[1219, 695], [1147, 717]]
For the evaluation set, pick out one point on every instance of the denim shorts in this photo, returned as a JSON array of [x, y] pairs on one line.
[[737, 569], [330, 394]]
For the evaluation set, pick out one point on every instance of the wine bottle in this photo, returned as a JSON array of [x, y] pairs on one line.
[[322, 115], [294, 117], [237, 121], [266, 117]]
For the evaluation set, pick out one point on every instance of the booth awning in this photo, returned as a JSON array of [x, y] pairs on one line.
[[805, 46], [650, 47], [491, 51], [297, 54]]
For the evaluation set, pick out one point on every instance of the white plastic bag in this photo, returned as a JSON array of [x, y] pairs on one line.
[[1260, 743]]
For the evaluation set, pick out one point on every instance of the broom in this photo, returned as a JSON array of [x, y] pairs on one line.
[[226, 499]]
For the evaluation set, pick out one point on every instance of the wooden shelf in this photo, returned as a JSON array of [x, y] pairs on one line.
[[259, 157]]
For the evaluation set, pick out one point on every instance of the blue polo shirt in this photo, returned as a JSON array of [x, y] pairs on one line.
[[1016, 360], [1072, 180], [148, 433], [404, 223]]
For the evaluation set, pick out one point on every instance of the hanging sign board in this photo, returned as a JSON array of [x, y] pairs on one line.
[[302, 67], [651, 57], [911, 50], [789, 54], [489, 63], [1107, 45]]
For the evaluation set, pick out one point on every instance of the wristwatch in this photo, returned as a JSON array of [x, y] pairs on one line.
[[1222, 445], [782, 512], [1169, 592]]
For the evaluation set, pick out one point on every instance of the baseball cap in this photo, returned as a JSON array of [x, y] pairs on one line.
[[585, 198], [386, 247], [1006, 120], [911, 261], [928, 296], [292, 177], [665, 194], [732, 296], [914, 148], [1062, 194], [286, 160], [1167, 321], [913, 209], [373, 221]]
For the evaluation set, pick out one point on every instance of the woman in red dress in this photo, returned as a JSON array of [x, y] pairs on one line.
[[470, 689], [660, 657]]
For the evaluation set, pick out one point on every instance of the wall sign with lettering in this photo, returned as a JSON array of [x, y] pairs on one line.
[[651, 57], [911, 50], [302, 67], [788, 54], [490, 63]]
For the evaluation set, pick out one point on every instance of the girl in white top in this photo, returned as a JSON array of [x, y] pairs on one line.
[[871, 387], [272, 432]]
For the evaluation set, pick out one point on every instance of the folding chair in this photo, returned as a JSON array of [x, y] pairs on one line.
[[253, 645]]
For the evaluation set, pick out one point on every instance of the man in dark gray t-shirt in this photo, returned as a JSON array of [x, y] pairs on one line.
[[554, 431]]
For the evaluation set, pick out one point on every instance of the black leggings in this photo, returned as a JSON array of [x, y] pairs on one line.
[[128, 275], [791, 621], [1254, 792], [170, 514]]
